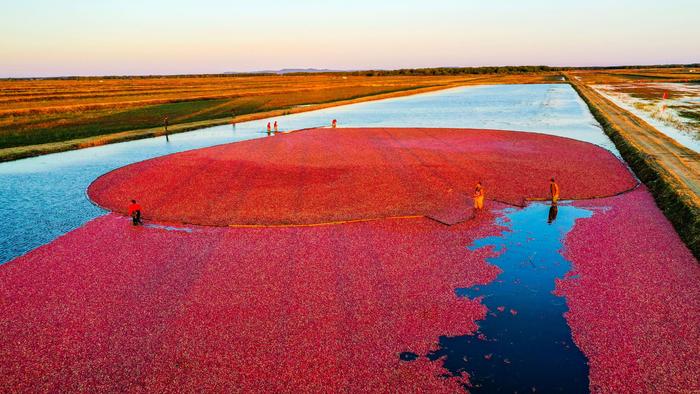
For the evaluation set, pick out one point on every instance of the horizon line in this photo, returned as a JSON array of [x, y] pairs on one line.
[[311, 70]]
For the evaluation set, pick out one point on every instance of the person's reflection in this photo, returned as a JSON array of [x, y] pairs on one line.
[[553, 210]]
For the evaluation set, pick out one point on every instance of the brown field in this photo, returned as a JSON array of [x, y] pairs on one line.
[[46, 115]]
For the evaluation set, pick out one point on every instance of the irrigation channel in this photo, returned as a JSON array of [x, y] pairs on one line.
[[520, 345]]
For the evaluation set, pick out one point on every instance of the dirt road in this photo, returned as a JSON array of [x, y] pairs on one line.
[[671, 170], [680, 161]]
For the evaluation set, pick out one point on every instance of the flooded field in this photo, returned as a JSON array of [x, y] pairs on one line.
[[524, 336], [507, 299], [371, 293], [43, 197], [672, 108]]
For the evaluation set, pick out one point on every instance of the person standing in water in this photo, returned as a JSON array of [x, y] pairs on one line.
[[554, 191], [479, 194], [334, 123], [275, 126], [135, 213], [269, 128]]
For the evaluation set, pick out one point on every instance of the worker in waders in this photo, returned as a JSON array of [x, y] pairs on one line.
[[479, 194], [554, 191], [334, 123], [269, 128], [275, 126], [135, 213]]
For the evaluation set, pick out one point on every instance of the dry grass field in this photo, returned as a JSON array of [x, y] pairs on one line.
[[45, 114]]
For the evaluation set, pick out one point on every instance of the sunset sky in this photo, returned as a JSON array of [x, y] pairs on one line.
[[108, 37]]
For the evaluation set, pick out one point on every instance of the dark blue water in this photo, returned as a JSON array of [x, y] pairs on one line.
[[44, 197], [524, 344]]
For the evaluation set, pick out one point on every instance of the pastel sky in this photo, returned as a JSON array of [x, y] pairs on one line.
[[108, 37]]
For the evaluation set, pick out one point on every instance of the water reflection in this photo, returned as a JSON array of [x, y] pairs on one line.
[[552, 216], [524, 344]]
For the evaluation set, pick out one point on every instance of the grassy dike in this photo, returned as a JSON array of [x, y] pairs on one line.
[[679, 206]]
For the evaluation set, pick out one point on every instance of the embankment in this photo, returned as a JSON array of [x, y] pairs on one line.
[[668, 169]]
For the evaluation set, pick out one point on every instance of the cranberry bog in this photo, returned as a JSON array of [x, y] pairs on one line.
[[327, 175], [48, 192], [243, 278]]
